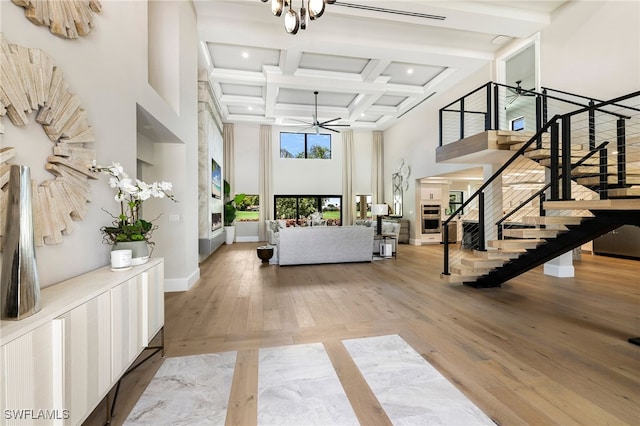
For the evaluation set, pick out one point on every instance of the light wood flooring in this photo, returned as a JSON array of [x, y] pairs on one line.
[[539, 350]]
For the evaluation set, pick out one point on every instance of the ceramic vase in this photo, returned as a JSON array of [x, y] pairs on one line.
[[19, 284]]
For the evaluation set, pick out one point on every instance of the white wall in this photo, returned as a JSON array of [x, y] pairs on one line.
[[108, 72], [593, 49]]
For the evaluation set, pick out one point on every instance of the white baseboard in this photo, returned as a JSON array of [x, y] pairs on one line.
[[248, 239], [181, 284]]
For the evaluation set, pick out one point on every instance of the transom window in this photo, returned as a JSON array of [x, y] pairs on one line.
[[305, 145]]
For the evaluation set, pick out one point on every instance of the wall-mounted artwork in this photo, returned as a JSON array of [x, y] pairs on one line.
[[32, 82], [216, 179], [67, 19]]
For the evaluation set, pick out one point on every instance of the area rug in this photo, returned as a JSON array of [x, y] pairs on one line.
[[297, 385]]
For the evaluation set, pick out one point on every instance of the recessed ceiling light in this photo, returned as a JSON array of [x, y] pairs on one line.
[[362, 114], [410, 71], [250, 108], [245, 55]]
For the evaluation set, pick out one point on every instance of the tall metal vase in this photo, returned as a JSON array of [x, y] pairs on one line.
[[19, 285]]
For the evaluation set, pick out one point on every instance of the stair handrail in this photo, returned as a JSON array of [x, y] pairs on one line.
[[588, 97], [555, 98], [491, 114], [588, 155]]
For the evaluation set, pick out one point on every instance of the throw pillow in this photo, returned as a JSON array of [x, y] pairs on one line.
[[275, 226]]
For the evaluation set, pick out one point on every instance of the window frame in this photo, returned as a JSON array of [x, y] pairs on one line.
[[306, 145], [318, 198]]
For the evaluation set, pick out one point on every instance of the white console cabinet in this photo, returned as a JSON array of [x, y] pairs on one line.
[[57, 365]]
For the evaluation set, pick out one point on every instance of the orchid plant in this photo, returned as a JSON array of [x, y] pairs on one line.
[[130, 193]]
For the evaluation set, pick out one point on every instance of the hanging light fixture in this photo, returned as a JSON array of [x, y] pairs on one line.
[[276, 7], [291, 20], [316, 9], [294, 21]]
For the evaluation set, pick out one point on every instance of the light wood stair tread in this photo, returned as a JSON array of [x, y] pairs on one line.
[[481, 263], [467, 271], [631, 179], [515, 243], [499, 254], [616, 204], [552, 220], [633, 191], [530, 233]]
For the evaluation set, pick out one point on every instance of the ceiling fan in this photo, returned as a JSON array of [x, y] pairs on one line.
[[316, 125], [517, 92]]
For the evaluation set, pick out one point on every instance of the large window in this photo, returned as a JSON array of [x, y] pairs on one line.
[[249, 209], [305, 145], [297, 209]]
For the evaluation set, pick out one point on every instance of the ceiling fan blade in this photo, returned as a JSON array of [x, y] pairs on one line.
[[329, 121], [300, 121], [339, 125], [331, 130]]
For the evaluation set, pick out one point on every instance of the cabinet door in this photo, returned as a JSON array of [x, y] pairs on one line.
[[126, 341], [152, 302], [87, 354], [31, 377]]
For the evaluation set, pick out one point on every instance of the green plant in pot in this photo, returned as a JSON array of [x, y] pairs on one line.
[[128, 230], [230, 210]]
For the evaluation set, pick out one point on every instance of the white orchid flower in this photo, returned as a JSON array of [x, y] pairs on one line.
[[117, 169]]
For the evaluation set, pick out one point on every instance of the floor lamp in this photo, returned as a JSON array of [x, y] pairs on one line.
[[379, 210]]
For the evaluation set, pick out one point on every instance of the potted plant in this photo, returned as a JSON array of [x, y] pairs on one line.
[[129, 230], [230, 211]]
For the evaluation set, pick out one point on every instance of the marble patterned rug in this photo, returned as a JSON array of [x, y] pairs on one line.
[[297, 385]]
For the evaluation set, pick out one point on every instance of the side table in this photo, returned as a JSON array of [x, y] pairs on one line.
[[388, 240]]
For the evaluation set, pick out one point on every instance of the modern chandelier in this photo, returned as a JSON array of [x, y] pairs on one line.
[[294, 21]]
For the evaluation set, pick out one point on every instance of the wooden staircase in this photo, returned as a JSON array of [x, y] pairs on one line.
[[479, 268]]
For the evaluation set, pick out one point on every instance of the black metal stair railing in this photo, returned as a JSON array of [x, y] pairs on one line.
[[569, 147]]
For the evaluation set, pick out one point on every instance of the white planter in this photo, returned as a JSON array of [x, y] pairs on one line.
[[229, 234]]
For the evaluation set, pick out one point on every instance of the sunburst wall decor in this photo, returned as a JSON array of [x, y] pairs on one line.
[[32, 82], [66, 19]]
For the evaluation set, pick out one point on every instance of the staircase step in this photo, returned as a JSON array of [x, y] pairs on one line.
[[456, 278], [515, 244], [631, 179], [616, 204], [546, 144], [633, 191], [539, 154], [530, 233], [509, 137], [467, 271], [552, 220], [477, 263], [498, 254], [632, 159]]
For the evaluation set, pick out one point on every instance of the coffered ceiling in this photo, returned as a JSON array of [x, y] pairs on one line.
[[371, 61]]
